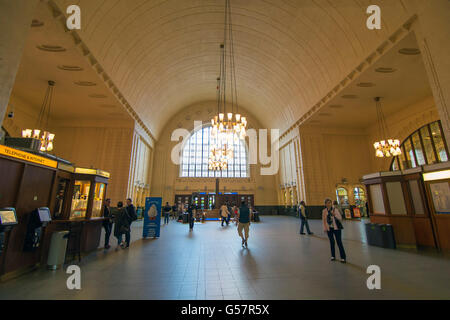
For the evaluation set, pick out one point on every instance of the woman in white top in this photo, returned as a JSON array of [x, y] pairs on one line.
[[332, 225]]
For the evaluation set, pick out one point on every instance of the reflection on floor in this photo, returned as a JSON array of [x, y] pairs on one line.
[[209, 263]]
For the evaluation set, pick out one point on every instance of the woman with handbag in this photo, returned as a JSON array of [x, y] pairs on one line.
[[332, 225], [122, 224]]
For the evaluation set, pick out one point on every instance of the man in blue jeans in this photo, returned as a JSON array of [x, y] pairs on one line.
[[166, 210], [244, 223]]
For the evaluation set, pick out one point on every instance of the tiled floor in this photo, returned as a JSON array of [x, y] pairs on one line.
[[209, 263]]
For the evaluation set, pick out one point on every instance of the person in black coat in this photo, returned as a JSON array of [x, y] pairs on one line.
[[191, 217], [121, 225], [107, 223], [131, 215]]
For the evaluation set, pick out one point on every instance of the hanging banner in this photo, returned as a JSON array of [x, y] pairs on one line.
[[152, 217]]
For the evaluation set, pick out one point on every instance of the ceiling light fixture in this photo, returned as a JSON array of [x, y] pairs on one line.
[[227, 126], [409, 51], [385, 70], [387, 147], [46, 138]]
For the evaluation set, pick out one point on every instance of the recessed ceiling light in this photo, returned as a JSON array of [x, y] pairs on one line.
[[85, 83], [349, 96], [336, 106], [36, 23], [70, 68], [98, 96], [409, 51], [51, 48], [385, 70], [366, 84]]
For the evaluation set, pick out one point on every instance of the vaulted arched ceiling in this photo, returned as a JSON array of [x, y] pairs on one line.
[[164, 54]]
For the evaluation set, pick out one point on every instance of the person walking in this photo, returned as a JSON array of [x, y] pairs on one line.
[[131, 216], [107, 223], [121, 225], [167, 208], [332, 225], [191, 216], [224, 214], [303, 218], [230, 210], [244, 223]]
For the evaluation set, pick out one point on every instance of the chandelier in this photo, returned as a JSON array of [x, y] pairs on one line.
[[218, 158], [226, 121], [46, 137], [387, 147]]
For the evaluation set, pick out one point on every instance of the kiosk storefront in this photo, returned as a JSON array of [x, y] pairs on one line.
[[47, 194]]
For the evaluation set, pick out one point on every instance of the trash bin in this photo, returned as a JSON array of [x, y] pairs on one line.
[[387, 235], [57, 252], [374, 235], [369, 233]]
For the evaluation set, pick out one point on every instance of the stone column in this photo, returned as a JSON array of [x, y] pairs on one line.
[[15, 21], [433, 35]]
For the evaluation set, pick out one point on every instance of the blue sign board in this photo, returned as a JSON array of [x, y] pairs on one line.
[[152, 217]]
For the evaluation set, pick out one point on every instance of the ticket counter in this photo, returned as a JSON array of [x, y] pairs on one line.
[[74, 196]]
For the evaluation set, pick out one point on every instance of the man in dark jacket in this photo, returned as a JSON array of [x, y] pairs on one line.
[[131, 211], [107, 223], [167, 208]]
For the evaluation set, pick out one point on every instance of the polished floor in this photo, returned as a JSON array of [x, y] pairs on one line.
[[209, 263]]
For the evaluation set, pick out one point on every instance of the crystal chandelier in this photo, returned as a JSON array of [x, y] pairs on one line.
[[226, 121], [387, 147], [219, 156], [46, 138]]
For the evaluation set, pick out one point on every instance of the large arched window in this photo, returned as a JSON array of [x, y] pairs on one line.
[[195, 156], [424, 146]]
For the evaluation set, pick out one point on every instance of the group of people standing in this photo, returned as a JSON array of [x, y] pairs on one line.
[[121, 217], [190, 210], [332, 226]]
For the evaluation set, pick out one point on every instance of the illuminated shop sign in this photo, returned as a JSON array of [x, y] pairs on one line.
[[22, 155]]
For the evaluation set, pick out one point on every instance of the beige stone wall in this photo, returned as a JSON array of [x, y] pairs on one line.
[[166, 181], [329, 156], [106, 146]]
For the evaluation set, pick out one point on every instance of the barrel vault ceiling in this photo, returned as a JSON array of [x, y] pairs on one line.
[[163, 55]]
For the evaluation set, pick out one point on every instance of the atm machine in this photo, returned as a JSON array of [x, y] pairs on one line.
[[39, 219], [8, 219]]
